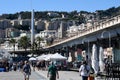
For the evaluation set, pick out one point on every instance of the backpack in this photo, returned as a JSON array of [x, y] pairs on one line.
[[85, 68]]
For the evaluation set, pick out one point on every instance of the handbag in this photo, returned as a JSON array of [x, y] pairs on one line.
[[90, 78]]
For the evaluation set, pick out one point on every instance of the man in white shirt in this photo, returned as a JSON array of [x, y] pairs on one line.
[[84, 70]]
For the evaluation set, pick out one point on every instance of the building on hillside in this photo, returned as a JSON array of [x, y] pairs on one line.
[[54, 25], [72, 31], [89, 24], [46, 24], [15, 22], [52, 14], [40, 25], [2, 33], [15, 33], [11, 32], [8, 32], [22, 22], [61, 33], [25, 22], [88, 16], [5, 24], [28, 34], [46, 35]]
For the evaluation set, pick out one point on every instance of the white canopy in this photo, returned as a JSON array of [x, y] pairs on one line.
[[42, 57], [47, 58], [29, 55], [57, 56], [32, 59]]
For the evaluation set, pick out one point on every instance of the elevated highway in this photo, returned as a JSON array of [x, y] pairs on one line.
[[93, 33]]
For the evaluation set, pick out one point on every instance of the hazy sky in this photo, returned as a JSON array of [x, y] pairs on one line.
[[13, 6]]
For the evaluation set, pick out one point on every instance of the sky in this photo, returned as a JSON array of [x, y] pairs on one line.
[[14, 6]]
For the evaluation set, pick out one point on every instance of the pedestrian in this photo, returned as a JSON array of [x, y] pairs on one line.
[[33, 65], [52, 72], [26, 70], [84, 70]]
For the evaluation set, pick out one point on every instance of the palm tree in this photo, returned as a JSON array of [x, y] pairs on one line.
[[33, 48], [39, 39], [24, 42], [13, 42]]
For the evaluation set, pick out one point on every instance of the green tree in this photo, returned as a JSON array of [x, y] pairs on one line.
[[38, 40], [22, 27], [13, 42], [34, 48], [24, 42]]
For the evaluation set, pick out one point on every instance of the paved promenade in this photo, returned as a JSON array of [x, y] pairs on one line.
[[63, 75], [40, 75], [16, 75], [67, 75]]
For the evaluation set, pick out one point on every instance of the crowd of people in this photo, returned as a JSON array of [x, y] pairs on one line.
[[9, 66], [25, 67], [4, 65]]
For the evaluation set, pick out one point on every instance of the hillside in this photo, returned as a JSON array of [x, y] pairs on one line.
[[113, 11]]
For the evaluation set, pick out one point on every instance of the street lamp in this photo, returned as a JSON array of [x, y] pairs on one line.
[[109, 41], [109, 36]]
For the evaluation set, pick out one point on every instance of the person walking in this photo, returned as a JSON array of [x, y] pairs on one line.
[[52, 72], [84, 70], [26, 70]]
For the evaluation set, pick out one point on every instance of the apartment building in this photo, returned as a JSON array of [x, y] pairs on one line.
[[2, 33], [40, 25], [5, 23]]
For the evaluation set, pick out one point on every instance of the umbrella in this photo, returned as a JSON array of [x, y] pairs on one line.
[[32, 59], [95, 64], [101, 58]]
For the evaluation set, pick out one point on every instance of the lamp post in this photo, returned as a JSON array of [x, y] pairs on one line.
[[109, 42], [109, 36]]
